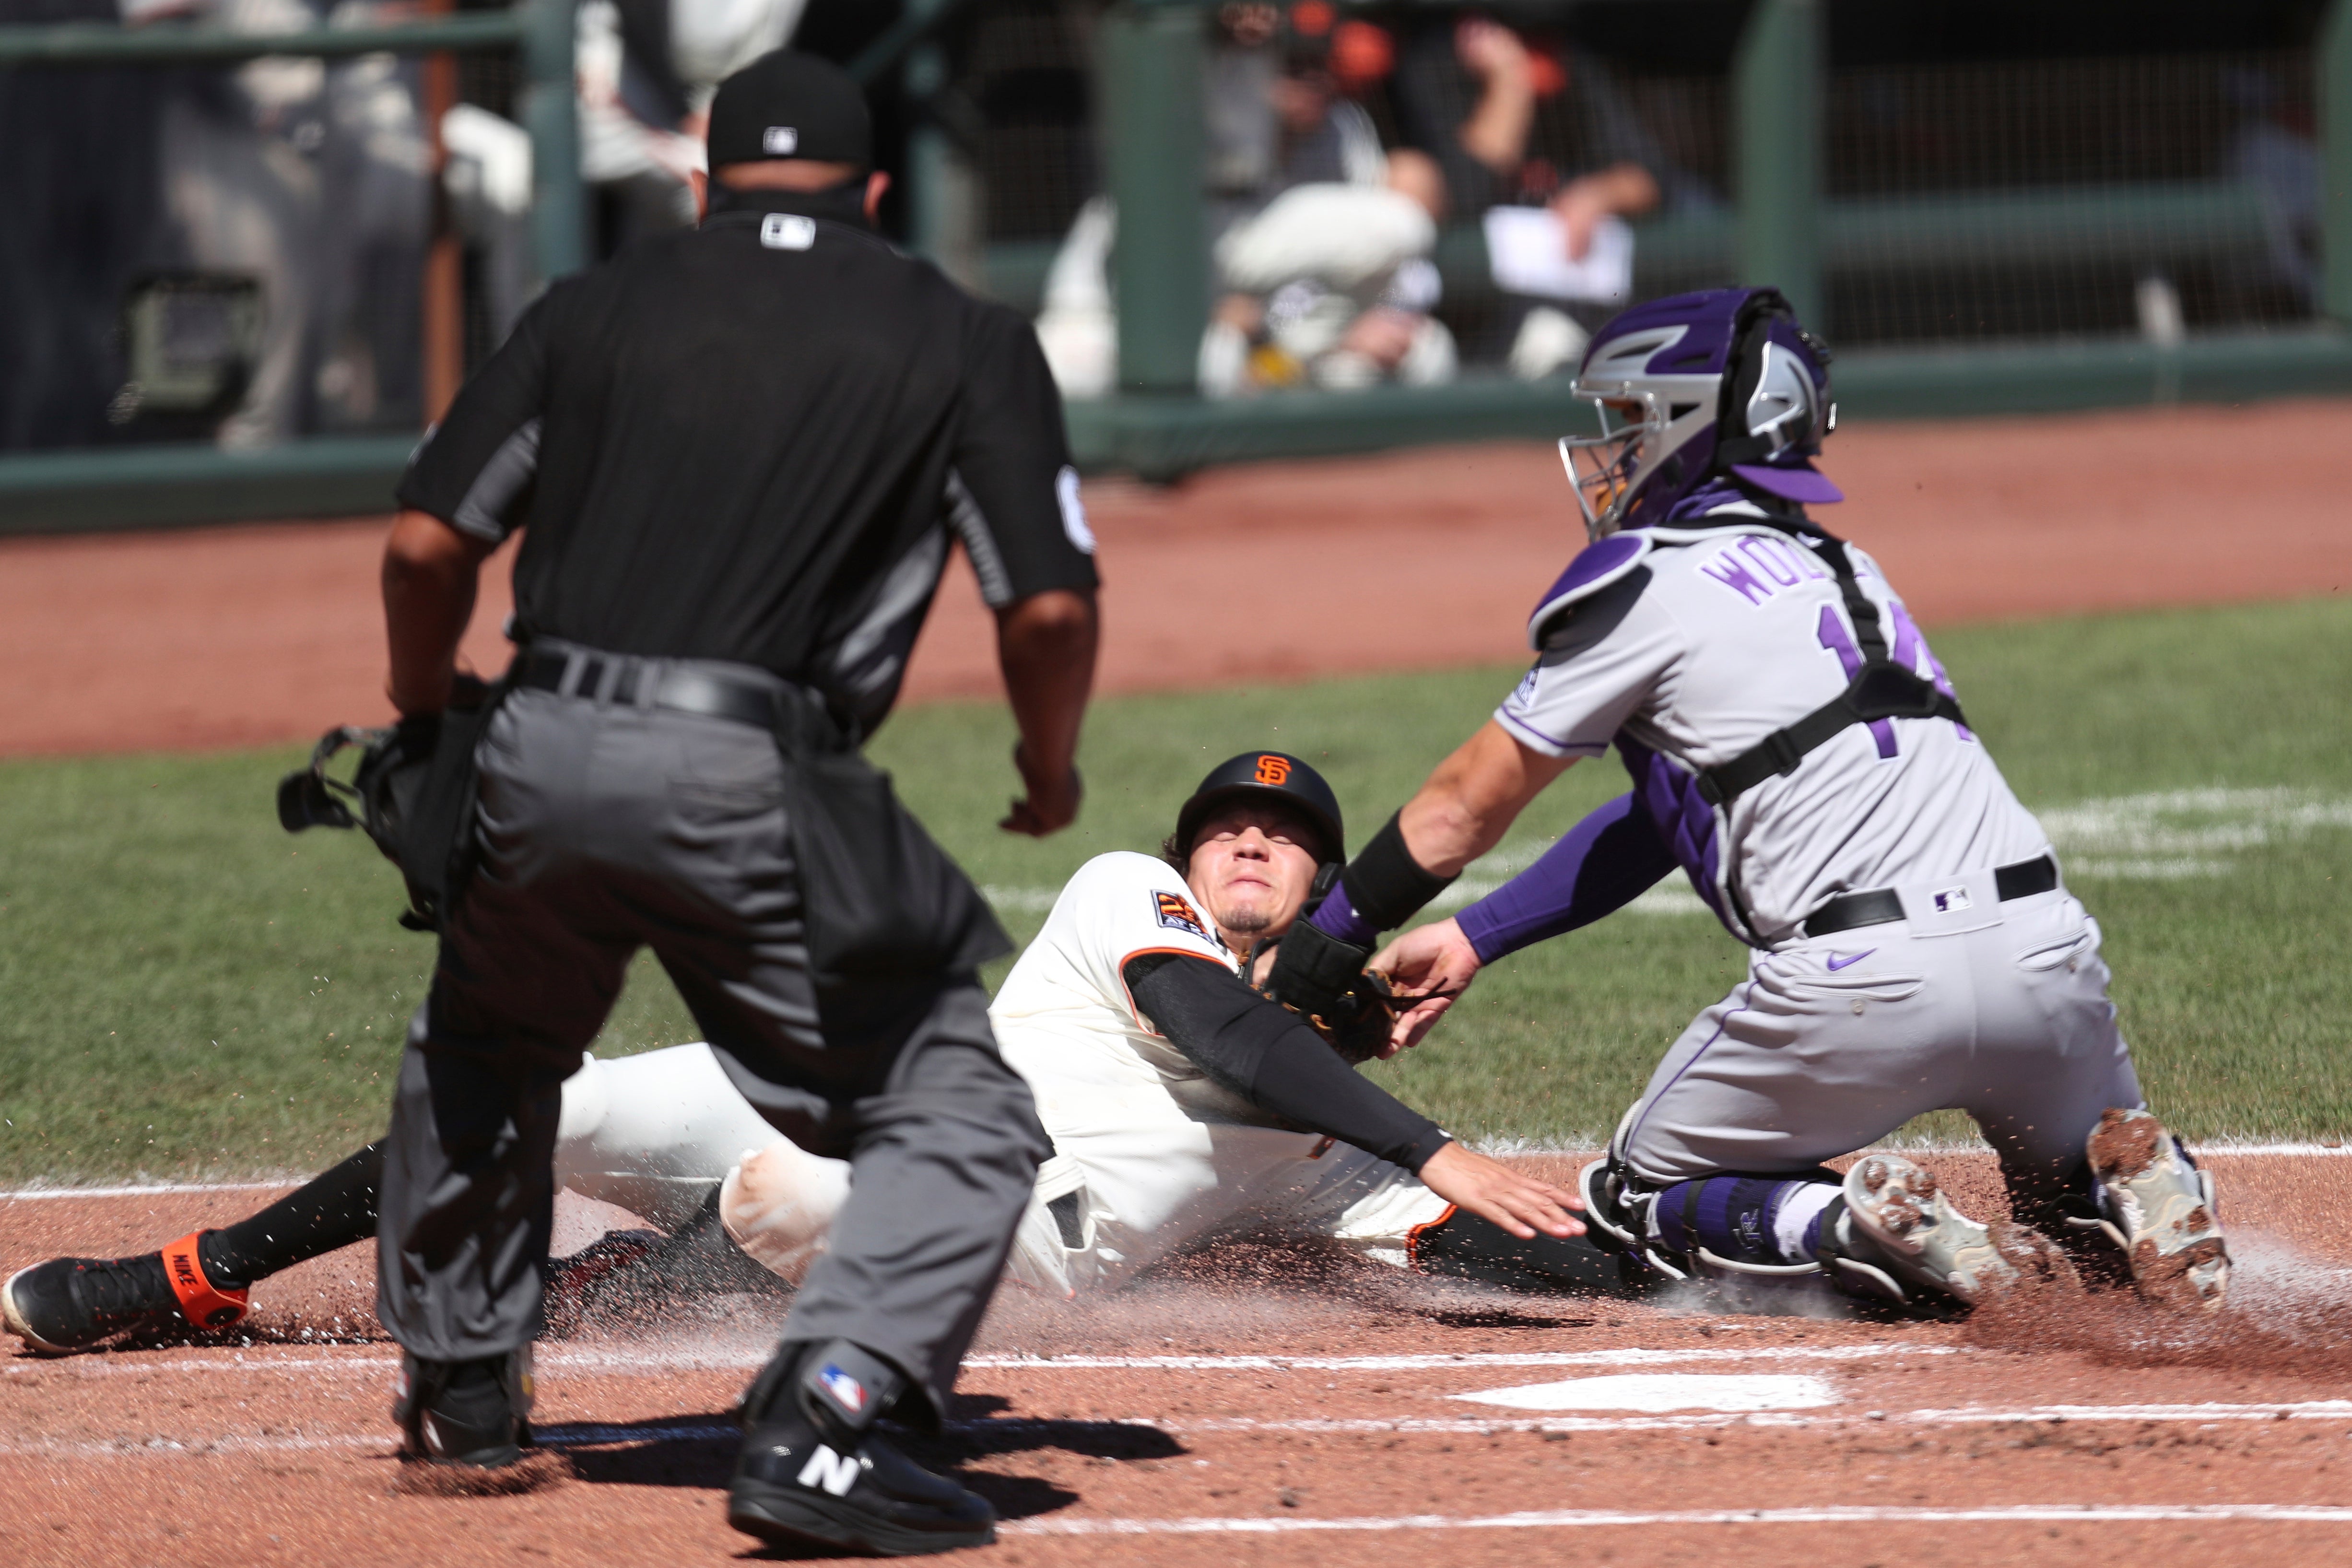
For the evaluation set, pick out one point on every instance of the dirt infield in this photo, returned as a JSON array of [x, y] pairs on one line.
[[1281, 1414], [1413, 561]]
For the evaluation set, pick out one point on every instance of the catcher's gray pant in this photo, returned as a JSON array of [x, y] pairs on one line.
[[2000, 1010], [605, 828]]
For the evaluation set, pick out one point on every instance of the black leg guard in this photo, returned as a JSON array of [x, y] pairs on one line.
[[1462, 1245]]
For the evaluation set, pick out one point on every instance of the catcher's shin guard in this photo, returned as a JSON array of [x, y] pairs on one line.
[[814, 1473], [470, 1415], [1893, 1228], [1617, 1219], [2157, 1207]]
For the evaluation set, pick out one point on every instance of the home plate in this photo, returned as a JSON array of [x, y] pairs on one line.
[[1665, 1391]]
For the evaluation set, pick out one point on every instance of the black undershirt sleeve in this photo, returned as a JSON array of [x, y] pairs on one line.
[[1272, 1059]]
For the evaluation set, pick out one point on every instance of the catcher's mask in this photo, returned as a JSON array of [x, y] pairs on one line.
[[1278, 778], [1693, 388]]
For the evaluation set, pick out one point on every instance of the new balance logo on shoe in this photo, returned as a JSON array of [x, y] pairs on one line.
[[829, 1471]]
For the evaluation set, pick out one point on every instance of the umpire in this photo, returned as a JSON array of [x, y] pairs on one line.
[[738, 456]]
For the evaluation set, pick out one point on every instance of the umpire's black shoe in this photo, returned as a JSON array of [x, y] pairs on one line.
[[792, 1489], [470, 1413], [73, 1303]]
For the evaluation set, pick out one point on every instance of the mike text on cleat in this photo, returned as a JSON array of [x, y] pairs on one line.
[[69, 1304]]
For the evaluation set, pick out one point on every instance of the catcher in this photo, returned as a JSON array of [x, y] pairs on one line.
[[1182, 1106]]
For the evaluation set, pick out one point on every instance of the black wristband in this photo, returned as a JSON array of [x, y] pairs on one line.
[[1385, 884]]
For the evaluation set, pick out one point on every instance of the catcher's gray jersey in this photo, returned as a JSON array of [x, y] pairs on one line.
[[1687, 646]]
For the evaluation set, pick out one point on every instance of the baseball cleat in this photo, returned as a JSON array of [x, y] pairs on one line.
[[573, 1282], [1922, 1239], [467, 1415], [794, 1489], [73, 1303], [2159, 1209]]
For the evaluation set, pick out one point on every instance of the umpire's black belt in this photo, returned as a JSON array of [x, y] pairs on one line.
[[1880, 905], [628, 681]]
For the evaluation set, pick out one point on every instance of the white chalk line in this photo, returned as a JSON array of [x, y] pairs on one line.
[[1440, 1363], [589, 1435], [622, 1362], [1568, 1519]]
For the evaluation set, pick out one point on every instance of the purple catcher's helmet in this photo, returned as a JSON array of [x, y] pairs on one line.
[[1692, 387]]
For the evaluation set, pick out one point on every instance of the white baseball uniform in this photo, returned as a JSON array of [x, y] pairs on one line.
[[1150, 1155], [1687, 646]]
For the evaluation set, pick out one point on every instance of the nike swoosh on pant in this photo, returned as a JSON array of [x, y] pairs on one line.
[[1837, 963]]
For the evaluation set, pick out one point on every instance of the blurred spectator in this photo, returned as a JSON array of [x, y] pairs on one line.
[[2275, 151], [647, 72], [1321, 237], [1469, 93], [77, 187], [315, 180]]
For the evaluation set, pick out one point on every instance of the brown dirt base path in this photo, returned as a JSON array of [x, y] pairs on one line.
[[1411, 561], [1273, 1409]]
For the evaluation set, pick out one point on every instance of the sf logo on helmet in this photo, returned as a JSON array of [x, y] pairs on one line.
[[1274, 770]]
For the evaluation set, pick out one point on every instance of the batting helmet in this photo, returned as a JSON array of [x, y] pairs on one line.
[[1693, 389], [1277, 777]]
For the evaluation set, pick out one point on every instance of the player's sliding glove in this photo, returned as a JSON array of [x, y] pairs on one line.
[[1313, 970], [1355, 1023]]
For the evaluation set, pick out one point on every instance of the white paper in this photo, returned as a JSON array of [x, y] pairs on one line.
[[1527, 250]]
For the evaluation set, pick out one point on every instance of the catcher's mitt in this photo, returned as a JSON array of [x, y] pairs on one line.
[[1356, 1025]]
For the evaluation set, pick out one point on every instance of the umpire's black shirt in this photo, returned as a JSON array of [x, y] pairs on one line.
[[751, 441]]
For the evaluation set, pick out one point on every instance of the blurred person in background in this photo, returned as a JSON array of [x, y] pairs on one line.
[[1321, 236], [78, 187], [647, 72], [1508, 124]]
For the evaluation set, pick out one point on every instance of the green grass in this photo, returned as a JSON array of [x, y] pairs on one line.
[[189, 993]]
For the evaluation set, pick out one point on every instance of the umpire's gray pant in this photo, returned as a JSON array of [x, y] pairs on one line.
[[605, 828]]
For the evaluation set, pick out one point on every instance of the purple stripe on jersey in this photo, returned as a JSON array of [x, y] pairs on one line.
[[1582, 748], [1684, 818]]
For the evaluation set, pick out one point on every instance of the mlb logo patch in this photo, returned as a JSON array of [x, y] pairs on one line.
[[1176, 914], [787, 231], [780, 141], [845, 1390], [1952, 900]]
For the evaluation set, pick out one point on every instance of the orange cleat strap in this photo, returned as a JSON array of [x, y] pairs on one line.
[[1413, 1237], [202, 1304]]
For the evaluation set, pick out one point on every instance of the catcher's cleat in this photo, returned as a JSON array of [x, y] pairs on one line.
[[571, 1282], [2159, 1209], [467, 1415], [1894, 1226], [73, 1303]]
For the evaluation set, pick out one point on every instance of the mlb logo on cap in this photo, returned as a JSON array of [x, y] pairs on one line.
[[780, 141], [787, 231]]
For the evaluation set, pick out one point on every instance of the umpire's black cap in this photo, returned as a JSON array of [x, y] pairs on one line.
[[1282, 778], [786, 104]]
